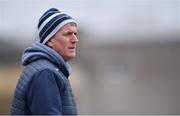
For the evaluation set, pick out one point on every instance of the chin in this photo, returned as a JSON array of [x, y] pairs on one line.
[[71, 56]]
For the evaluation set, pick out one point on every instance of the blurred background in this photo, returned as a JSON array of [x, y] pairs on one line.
[[128, 57]]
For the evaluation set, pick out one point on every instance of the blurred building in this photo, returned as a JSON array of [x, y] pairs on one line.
[[130, 78], [9, 72]]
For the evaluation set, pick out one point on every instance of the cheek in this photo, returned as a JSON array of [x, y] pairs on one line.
[[62, 46], [59, 43]]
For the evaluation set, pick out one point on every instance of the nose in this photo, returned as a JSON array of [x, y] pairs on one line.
[[74, 38]]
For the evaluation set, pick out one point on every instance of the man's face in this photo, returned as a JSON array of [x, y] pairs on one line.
[[64, 41]]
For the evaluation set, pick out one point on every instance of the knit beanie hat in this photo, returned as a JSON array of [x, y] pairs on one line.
[[51, 22]]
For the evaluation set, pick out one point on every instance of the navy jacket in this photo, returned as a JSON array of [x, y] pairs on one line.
[[43, 87]]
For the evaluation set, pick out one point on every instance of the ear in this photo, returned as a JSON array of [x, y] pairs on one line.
[[50, 43]]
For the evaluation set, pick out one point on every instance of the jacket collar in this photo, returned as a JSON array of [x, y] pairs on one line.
[[41, 51]]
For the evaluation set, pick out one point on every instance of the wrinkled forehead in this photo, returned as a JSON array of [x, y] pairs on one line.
[[71, 24], [69, 27]]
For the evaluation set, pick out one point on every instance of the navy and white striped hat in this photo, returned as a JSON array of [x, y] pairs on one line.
[[51, 22]]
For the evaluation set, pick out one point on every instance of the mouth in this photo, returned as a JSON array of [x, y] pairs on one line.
[[72, 48]]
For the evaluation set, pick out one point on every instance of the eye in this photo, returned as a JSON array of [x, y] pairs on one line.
[[67, 34], [70, 33], [75, 33]]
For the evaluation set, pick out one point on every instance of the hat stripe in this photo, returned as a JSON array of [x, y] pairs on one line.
[[50, 23], [48, 11], [47, 20], [43, 18], [52, 26]]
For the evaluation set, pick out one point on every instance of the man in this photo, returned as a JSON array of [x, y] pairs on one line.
[[43, 87]]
